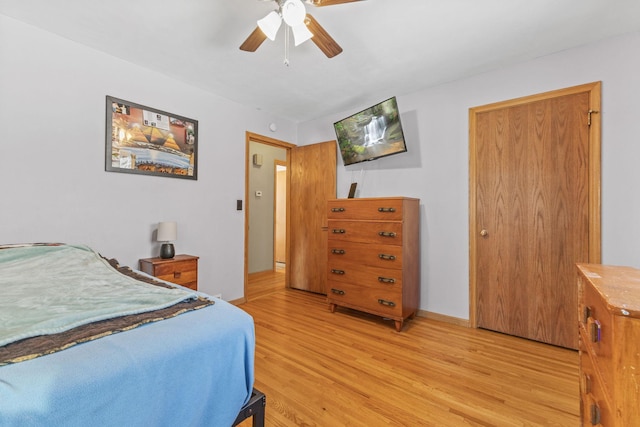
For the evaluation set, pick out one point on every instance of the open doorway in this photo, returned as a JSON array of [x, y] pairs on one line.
[[280, 217], [266, 196]]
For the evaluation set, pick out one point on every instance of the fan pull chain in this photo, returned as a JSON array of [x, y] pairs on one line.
[[286, 46]]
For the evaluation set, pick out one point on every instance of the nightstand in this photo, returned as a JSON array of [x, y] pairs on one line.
[[181, 269]]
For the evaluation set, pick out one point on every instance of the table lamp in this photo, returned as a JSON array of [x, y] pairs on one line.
[[167, 233]]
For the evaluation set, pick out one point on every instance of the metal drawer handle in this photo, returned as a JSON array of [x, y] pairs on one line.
[[338, 251], [386, 280], [338, 231], [387, 303], [386, 209], [596, 330], [334, 271], [337, 291], [386, 234], [586, 383], [595, 414], [387, 257], [338, 209]]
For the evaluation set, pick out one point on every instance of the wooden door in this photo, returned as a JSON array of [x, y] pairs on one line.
[[313, 182], [535, 171]]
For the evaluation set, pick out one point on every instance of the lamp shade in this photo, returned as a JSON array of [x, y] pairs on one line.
[[301, 33], [167, 231], [270, 25]]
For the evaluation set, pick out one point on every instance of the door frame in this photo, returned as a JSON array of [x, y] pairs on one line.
[[279, 163], [261, 139], [594, 171]]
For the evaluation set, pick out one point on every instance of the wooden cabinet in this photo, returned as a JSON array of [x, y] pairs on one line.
[[373, 256], [181, 269], [609, 319]]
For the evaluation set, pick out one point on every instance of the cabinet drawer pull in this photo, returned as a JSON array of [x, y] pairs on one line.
[[596, 329], [337, 291], [595, 414], [338, 231], [338, 251], [387, 303], [334, 271], [586, 383], [386, 234], [386, 280], [387, 257], [177, 274], [338, 209], [586, 313], [386, 209]]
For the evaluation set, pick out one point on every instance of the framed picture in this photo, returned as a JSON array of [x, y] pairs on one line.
[[147, 141]]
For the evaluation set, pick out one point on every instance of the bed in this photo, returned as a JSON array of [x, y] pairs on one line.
[[189, 367]]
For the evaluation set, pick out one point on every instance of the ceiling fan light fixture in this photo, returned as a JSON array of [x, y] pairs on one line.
[[270, 24], [301, 34]]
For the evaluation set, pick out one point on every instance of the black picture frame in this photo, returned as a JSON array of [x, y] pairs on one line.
[[147, 141]]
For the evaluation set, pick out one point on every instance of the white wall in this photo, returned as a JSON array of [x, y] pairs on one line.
[[52, 148], [435, 169], [54, 187]]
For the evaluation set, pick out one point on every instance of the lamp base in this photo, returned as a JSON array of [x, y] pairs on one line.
[[167, 251]]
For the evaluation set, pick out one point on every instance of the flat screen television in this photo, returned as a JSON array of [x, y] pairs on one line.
[[370, 134]]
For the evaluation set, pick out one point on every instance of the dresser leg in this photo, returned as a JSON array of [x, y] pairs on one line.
[[398, 325]]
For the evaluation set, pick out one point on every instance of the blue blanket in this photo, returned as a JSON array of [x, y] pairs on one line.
[[195, 369]]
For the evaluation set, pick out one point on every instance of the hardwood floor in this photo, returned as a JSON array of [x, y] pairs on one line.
[[265, 282], [319, 368]]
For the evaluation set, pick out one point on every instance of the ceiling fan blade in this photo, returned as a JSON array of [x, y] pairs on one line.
[[321, 38], [329, 2], [254, 40]]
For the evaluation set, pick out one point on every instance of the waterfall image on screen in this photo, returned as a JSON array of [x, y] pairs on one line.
[[374, 131], [370, 134]]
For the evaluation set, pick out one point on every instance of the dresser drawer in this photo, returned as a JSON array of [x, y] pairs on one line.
[[596, 327], [375, 300], [593, 403], [366, 209], [385, 233], [364, 276], [363, 254], [180, 277], [176, 267]]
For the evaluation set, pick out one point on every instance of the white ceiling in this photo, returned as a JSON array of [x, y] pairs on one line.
[[391, 47]]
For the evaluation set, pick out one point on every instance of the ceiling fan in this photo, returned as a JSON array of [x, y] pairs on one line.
[[303, 26]]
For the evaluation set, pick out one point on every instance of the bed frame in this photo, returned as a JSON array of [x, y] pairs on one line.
[[254, 408]]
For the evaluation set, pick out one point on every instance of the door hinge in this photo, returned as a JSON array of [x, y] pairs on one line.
[[589, 116]]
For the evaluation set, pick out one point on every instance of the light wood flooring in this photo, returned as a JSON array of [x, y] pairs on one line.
[[265, 282], [347, 368]]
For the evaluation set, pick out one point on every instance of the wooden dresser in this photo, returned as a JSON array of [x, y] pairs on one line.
[[609, 318], [181, 269], [374, 256]]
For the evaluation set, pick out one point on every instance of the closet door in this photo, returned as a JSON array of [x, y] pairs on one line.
[[535, 211]]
